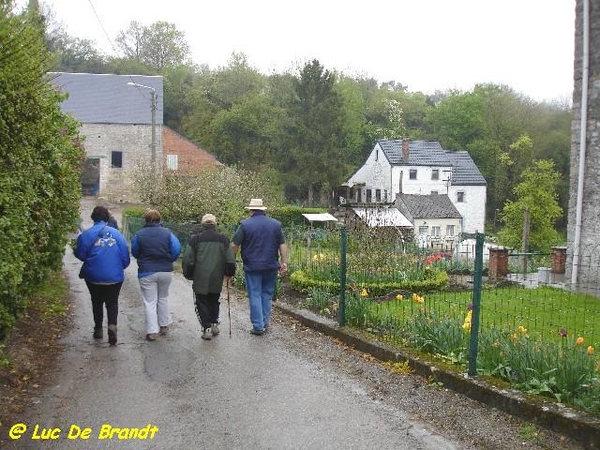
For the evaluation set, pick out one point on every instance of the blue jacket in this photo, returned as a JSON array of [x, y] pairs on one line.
[[155, 248], [259, 237], [104, 253]]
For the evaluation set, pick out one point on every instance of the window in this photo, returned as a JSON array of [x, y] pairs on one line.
[[423, 229], [377, 155], [413, 174], [172, 162], [450, 230], [460, 197], [434, 192], [359, 196], [368, 195], [435, 174], [378, 195], [385, 196], [436, 231], [116, 160]]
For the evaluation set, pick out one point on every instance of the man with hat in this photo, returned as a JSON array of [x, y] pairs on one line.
[[264, 253], [210, 257]]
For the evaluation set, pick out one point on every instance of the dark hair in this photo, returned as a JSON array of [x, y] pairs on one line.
[[100, 213]]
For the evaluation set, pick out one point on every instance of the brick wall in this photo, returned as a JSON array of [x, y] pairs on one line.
[[190, 157]]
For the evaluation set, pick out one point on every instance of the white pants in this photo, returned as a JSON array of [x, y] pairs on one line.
[[155, 295]]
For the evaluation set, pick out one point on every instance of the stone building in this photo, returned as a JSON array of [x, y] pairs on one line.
[[583, 231], [120, 133]]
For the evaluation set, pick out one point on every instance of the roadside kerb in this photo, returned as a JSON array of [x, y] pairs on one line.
[[577, 425]]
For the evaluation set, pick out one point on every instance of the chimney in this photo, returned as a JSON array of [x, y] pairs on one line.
[[405, 145]]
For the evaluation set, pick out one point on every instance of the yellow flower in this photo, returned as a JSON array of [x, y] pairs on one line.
[[522, 329], [590, 350], [467, 324], [364, 293], [514, 337], [579, 341], [399, 297]]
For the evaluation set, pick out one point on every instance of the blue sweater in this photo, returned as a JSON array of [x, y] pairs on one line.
[[104, 253], [155, 248], [259, 237]]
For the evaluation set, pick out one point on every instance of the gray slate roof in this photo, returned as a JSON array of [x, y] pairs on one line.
[[424, 153], [415, 206], [107, 98]]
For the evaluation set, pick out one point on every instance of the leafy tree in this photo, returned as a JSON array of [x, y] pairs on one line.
[[314, 157], [536, 193], [246, 132], [178, 85], [158, 46]]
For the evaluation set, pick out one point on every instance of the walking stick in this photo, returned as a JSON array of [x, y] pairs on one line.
[[229, 307]]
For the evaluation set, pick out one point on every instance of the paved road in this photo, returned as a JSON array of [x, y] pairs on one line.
[[238, 392]]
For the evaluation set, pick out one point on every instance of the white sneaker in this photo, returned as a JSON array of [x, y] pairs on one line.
[[215, 329], [206, 334]]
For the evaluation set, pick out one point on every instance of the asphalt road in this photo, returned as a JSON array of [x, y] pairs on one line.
[[180, 392]]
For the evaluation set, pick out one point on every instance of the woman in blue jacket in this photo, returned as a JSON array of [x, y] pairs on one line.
[[155, 248], [105, 257]]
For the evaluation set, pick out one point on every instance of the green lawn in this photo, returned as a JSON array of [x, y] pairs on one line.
[[543, 311]]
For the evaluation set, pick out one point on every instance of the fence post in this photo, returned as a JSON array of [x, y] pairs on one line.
[[477, 283], [343, 247]]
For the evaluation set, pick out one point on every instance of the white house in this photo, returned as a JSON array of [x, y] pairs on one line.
[[397, 166]]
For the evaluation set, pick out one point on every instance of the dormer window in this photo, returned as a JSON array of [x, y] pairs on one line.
[[435, 174], [412, 174]]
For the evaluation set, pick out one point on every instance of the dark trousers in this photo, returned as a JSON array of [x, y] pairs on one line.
[[207, 309], [105, 294]]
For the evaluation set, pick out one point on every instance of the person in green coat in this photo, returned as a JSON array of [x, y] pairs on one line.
[[210, 259]]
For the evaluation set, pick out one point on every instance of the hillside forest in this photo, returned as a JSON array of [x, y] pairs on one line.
[[309, 128]]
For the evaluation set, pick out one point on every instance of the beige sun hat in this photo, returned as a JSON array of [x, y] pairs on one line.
[[208, 219], [256, 203]]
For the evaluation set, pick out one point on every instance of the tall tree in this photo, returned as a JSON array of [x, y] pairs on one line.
[[314, 158], [159, 45], [536, 193]]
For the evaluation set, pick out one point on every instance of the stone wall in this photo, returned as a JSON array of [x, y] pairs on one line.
[[134, 141], [590, 225]]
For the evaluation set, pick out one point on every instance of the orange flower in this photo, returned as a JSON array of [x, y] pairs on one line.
[[399, 297], [579, 341], [591, 351]]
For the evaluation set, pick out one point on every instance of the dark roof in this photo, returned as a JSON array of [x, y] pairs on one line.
[[426, 153], [464, 170], [107, 98], [420, 153], [426, 206]]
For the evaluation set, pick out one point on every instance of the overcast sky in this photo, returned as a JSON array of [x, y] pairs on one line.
[[427, 45]]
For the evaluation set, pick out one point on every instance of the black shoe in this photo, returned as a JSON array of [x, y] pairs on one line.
[[98, 334], [112, 334], [257, 332]]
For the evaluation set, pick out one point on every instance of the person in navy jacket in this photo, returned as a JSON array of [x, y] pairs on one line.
[[156, 248], [264, 254], [105, 257]]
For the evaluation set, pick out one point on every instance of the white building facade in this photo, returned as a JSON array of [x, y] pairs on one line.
[[421, 168]]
